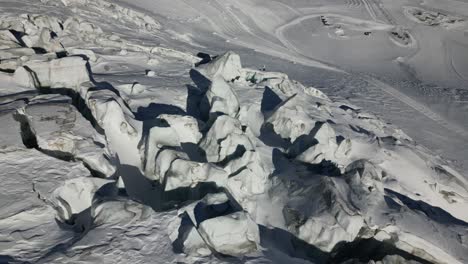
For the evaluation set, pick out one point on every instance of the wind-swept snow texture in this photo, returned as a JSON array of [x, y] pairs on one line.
[[130, 134]]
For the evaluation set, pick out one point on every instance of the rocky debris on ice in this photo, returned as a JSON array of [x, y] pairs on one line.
[[228, 66], [61, 131]]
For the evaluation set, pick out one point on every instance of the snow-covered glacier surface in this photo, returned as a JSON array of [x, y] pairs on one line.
[[156, 132]]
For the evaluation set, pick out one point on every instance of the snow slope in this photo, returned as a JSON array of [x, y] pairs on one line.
[[121, 144], [381, 44]]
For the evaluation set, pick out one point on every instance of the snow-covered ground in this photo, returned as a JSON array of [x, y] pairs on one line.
[[247, 131]]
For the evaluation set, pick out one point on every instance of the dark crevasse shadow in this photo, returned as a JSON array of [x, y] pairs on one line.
[[80, 224], [78, 102], [270, 100], [280, 162], [151, 193], [276, 240], [197, 103], [434, 213], [153, 110], [25, 96], [7, 71], [203, 211], [369, 249], [205, 58], [5, 259], [18, 37], [194, 101], [184, 230], [149, 116], [325, 168], [270, 138], [199, 80], [194, 152]]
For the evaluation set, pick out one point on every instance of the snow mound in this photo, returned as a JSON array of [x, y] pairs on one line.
[[185, 173], [224, 139], [235, 234], [228, 66], [287, 128], [75, 198], [221, 98], [171, 131], [213, 224]]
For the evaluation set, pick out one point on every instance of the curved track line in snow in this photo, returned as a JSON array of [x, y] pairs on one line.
[[370, 10], [287, 7], [279, 33], [272, 49], [416, 106], [448, 50], [383, 86], [353, 3]]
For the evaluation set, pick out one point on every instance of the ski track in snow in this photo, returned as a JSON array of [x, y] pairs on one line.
[[417, 106], [279, 32], [370, 9]]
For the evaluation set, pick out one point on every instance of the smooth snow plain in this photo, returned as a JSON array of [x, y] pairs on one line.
[[233, 131]]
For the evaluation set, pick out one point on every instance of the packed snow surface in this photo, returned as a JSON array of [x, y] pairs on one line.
[[176, 132]]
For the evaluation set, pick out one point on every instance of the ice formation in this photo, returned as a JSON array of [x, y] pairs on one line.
[[249, 176]]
